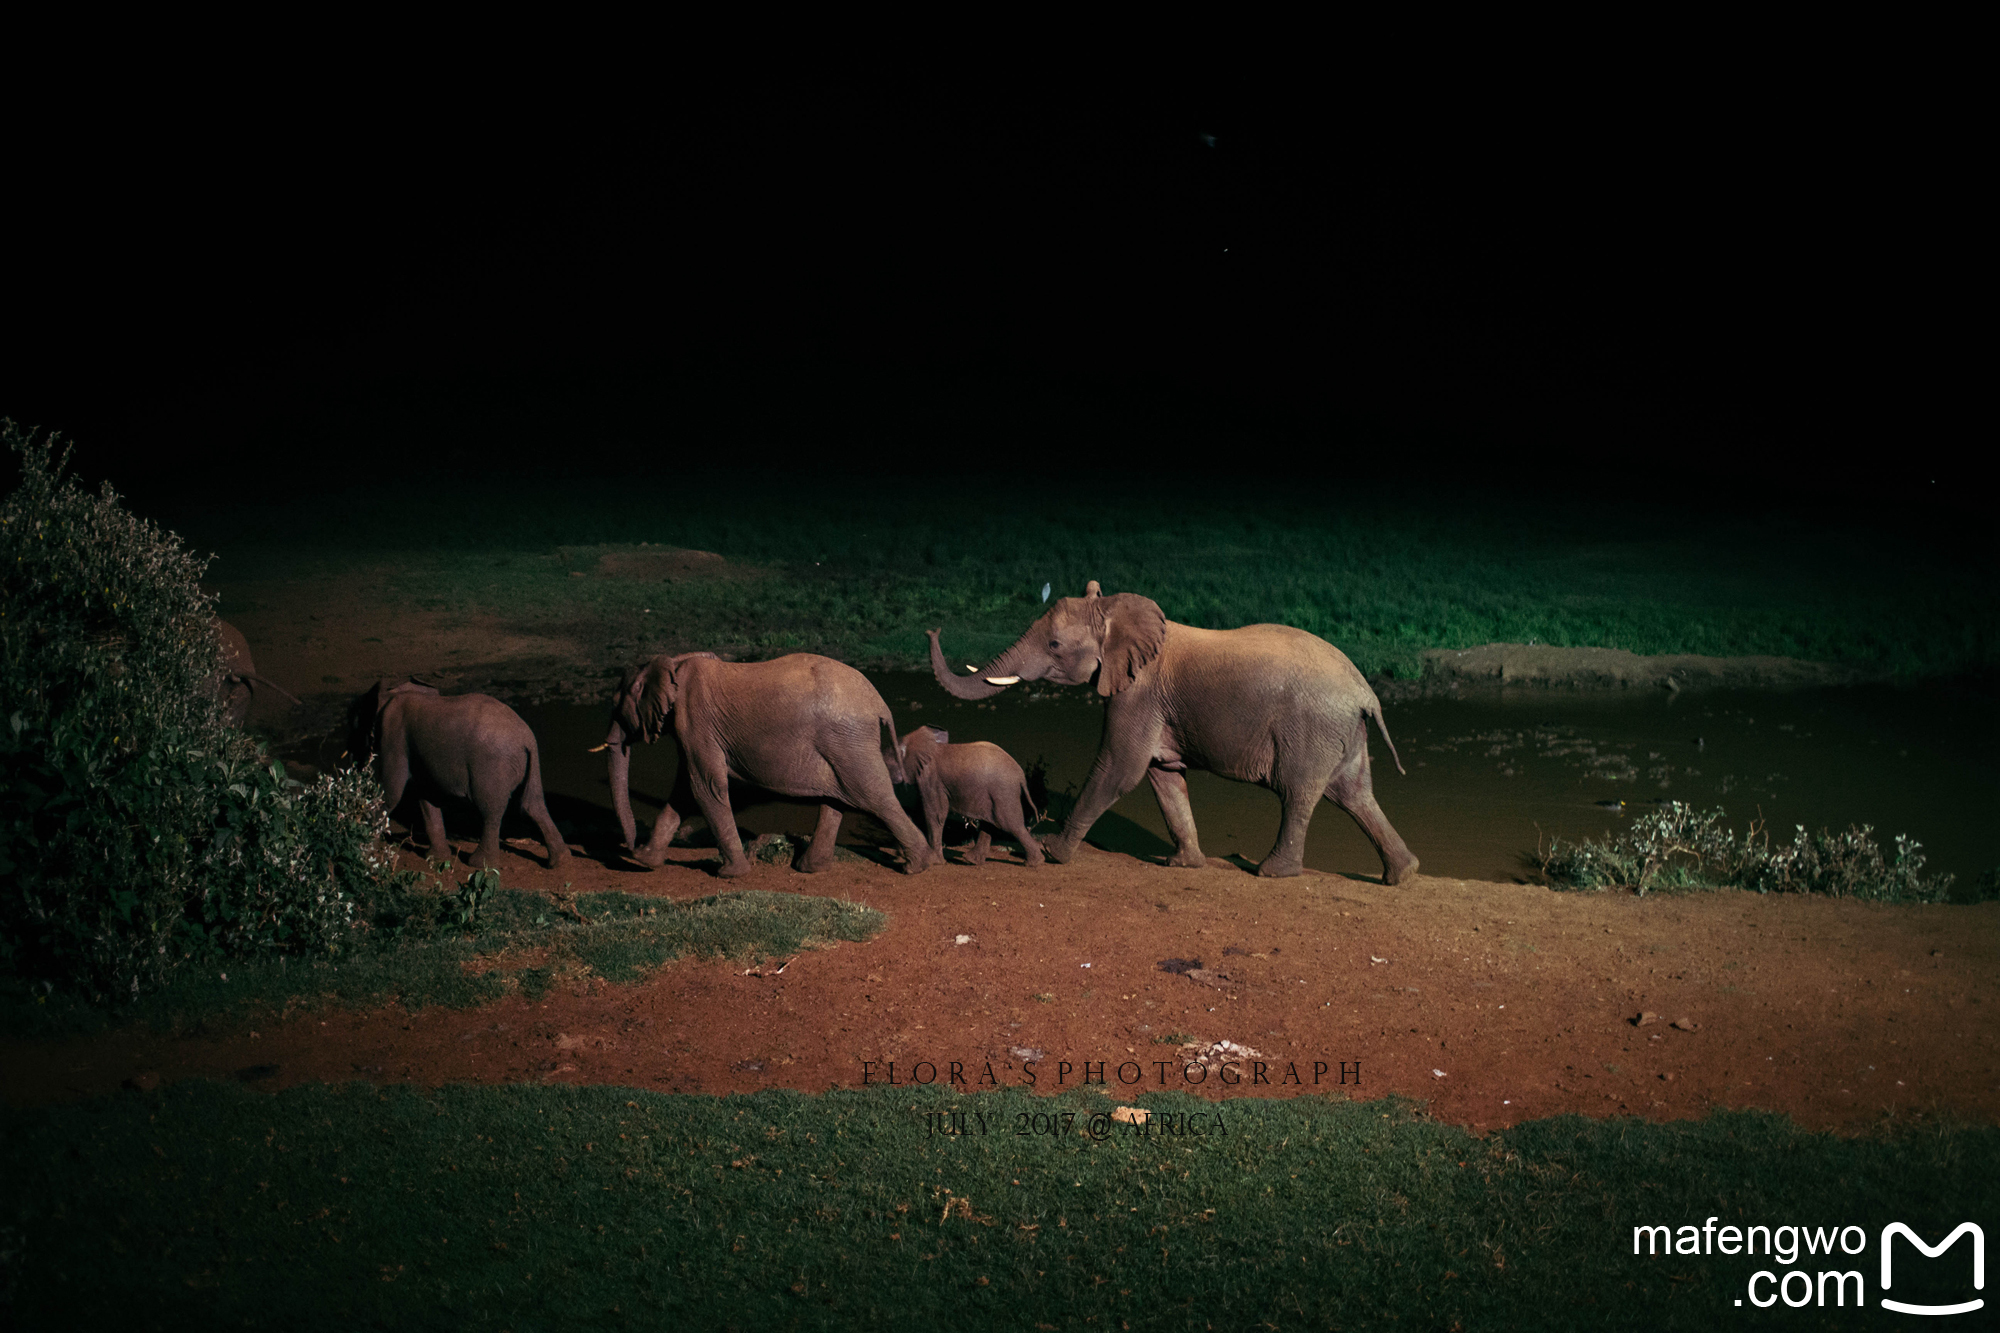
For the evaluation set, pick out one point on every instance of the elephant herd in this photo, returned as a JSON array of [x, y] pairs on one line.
[[1267, 704]]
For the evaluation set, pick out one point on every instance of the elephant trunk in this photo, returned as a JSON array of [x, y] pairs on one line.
[[985, 684], [618, 751]]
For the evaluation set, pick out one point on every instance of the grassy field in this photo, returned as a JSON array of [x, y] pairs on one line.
[[209, 1205], [859, 571], [464, 945]]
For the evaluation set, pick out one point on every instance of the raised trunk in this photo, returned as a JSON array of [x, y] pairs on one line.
[[977, 686], [618, 750]]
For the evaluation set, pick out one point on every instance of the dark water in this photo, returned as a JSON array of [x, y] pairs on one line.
[[1487, 777]]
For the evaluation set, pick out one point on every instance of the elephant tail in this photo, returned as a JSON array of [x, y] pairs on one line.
[[252, 679], [894, 747], [1383, 727], [1028, 800]]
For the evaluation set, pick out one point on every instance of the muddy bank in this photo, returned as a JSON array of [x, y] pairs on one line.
[[1545, 666]]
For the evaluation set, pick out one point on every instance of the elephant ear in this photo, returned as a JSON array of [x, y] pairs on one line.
[[1134, 630], [658, 689], [939, 736]]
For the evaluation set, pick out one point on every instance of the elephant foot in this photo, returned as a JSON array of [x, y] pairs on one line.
[[731, 869], [1397, 874], [649, 858], [1188, 860], [916, 865], [1274, 868], [1059, 849]]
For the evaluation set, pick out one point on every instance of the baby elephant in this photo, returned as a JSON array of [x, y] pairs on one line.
[[469, 746], [976, 779]]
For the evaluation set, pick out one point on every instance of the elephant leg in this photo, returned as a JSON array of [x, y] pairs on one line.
[[1287, 856], [434, 831], [819, 855], [1118, 770], [1015, 826], [392, 770], [935, 815], [982, 846], [1354, 792], [1170, 789], [535, 808], [487, 854], [711, 792], [870, 790], [654, 852]]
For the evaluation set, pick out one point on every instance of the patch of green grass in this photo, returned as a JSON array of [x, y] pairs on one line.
[[1380, 574], [1680, 847], [211, 1205], [426, 955]]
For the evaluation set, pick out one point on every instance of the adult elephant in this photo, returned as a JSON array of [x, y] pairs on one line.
[[237, 680], [800, 725], [1266, 703]]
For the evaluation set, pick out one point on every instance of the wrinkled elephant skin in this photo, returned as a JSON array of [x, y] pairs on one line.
[[466, 746], [1266, 703], [801, 725], [974, 779]]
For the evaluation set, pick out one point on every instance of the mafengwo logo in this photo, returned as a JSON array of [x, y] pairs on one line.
[[1895, 1229], [1813, 1259]]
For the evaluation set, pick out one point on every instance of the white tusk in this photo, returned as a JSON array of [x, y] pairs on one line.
[[1003, 680], [595, 748], [970, 667]]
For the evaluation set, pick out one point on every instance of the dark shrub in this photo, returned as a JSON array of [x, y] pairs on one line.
[[137, 828]]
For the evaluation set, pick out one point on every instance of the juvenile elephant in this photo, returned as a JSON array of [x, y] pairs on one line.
[[976, 779], [800, 725], [237, 680], [469, 746], [1266, 703]]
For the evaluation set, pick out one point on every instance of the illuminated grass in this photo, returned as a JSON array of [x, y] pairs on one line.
[[562, 1207], [1379, 574], [520, 942]]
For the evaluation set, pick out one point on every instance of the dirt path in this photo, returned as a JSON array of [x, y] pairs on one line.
[[1493, 1002]]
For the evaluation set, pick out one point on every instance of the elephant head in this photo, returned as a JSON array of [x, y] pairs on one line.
[[1092, 638], [640, 711], [911, 757], [364, 716]]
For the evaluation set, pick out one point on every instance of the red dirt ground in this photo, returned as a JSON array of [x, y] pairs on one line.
[[1494, 1003]]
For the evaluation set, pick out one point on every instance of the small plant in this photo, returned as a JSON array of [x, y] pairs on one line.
[[1679, 847], [471, 894]]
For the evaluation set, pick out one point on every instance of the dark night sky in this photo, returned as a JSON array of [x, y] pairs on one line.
[[1744, 280]]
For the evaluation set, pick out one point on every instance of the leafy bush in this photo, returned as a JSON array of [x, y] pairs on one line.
[[1678, 846], [137, 827]]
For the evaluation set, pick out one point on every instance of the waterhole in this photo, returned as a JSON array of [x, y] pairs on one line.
[[1488, 778]]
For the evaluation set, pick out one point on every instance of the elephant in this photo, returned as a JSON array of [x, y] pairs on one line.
[[237, 681], [1268, 704], [976, 779], [469, 746], [799, 725]]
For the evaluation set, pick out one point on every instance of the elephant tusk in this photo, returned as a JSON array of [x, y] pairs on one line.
[[1003, 680], [970, 667], [597, 748]]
